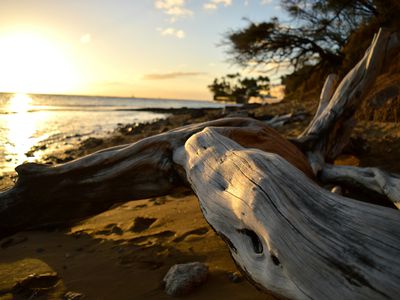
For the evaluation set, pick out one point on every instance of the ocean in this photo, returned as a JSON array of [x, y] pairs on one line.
[[57, 121]]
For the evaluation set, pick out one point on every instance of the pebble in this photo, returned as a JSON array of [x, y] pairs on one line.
[[181, 279]]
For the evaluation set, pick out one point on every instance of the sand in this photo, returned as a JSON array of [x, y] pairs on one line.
[[123, 254]]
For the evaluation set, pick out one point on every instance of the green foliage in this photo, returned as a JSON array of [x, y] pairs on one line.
[[233, 87]]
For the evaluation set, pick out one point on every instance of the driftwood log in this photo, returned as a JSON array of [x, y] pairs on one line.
[[258, 191]]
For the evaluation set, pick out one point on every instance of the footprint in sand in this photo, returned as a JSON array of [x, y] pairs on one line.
[[195, 232], [141, 224]]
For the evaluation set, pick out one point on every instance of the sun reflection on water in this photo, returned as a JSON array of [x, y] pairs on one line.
[[21, 126]]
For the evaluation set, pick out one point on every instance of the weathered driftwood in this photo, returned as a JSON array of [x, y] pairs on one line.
[[279, 121], [330, 129], [370, 178], [58, 194], [326, 94], [289, 235]]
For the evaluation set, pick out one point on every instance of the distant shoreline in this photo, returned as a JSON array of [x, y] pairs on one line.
[[109, 97]]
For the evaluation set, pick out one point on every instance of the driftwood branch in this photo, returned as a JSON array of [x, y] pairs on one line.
[[369, 178], [326, 94], [330, 129], [94, 183], [286, 233]]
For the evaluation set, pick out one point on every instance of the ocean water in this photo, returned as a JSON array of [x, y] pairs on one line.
[[59, 122]]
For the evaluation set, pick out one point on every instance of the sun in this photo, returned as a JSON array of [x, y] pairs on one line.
[[31, 63]]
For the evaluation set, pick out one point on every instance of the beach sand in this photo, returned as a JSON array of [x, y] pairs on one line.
[[125, 252]]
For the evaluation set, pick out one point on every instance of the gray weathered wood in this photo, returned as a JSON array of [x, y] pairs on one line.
[[368, 178], [327, 92], [46, 195], [289, 235], [330, 130]]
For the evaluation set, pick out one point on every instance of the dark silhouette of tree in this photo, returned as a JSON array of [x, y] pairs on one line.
[[233, 87]]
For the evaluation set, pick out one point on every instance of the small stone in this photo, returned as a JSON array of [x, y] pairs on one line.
[[72, 296], [181, 279]]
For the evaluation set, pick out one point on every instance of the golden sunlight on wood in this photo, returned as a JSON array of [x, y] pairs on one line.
[[31, 63]]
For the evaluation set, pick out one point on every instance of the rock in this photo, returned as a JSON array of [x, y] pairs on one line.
[[72, 296], [35, 283], [181, 279]]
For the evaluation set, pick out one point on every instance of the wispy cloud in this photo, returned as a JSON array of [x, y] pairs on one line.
[[170, 31], [213, 4], [171, 75], [266, 2], [173, 8]]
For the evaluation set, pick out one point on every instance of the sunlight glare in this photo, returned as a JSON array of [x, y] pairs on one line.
[[31, 63], [19, 103], [21, 127]]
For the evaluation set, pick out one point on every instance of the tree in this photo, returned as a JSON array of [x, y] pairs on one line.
[[234, 88], [318, 32]]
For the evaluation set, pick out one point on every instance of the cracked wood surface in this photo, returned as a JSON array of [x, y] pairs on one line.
[[288, 234]]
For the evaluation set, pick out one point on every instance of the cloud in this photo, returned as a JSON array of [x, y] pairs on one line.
[[171, 75], [86, 38], [213, 4], [178, 33], [173, 8], [266, 2]]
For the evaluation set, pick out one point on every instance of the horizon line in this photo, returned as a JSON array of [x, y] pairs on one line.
[[106, 96]]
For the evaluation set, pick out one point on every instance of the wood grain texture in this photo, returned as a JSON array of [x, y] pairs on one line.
[[289, 235]]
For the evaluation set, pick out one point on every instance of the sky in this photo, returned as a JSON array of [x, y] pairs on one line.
[[141, 48]]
